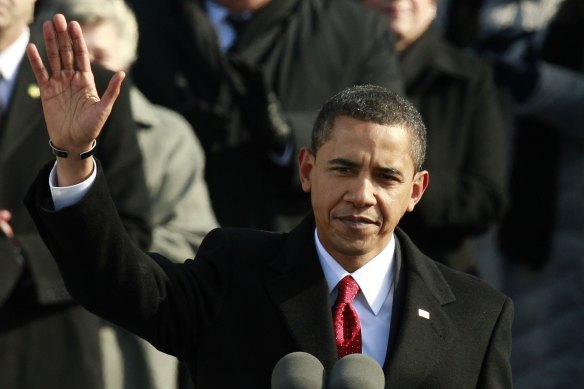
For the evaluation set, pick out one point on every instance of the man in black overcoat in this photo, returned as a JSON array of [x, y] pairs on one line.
[[251, 297]]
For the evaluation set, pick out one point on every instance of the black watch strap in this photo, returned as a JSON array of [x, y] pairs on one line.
[[65, 154]]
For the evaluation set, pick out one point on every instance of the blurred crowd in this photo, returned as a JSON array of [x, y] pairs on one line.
[[221, 95]]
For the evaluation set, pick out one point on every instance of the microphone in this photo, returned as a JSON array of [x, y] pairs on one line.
[[298, 370], [356, 371]]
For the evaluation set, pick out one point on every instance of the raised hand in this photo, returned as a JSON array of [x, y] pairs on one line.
[[74, 113]]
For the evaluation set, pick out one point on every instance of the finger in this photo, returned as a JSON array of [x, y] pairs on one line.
[[64, 40], [111, 93], [5, 215], [79, 47], [6, 229], [52, 46], [38, 68]]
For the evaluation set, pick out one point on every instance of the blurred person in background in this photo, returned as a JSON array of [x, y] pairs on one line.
[[536, 48], [46, 339], [250, 77], [455, 94], [174, 168]]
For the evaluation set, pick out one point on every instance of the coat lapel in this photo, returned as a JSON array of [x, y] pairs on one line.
[[425, 332], [301, 293], [26, 102]]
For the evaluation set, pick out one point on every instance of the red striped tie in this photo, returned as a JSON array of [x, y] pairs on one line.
[[346, 320]]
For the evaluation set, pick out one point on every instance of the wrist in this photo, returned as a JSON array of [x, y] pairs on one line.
[[71, 172], [61, 153]]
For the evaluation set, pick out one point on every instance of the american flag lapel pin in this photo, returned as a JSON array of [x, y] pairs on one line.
[[423, 313]]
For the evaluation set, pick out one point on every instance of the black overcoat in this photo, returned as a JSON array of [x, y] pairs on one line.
[[250, 297]]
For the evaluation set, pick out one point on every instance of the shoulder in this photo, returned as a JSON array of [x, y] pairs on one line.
[[241, 244], [460, 63], [472, 290], [169, 125], [450, 285]]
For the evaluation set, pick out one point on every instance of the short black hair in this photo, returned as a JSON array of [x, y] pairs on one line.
[[376, 104]]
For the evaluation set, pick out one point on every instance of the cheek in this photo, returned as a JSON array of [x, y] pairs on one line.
[[325, 199], [391, 209]]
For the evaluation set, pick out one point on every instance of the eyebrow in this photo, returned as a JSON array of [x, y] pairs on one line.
[[352, 164], [343, 162]]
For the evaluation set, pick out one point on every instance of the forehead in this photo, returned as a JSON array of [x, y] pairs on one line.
[[358, 139], [345, 127]]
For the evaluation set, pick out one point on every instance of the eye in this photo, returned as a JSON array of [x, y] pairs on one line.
[[342, 170], [388, 178]]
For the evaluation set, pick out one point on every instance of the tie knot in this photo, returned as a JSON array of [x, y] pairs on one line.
[[238, 22], [348, 289]]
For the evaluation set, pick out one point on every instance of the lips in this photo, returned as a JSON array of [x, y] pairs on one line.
[[358, 221]]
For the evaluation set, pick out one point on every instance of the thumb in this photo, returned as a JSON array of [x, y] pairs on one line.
[[112, 92]]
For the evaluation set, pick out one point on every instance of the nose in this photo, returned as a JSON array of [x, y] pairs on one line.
[[361, 192]]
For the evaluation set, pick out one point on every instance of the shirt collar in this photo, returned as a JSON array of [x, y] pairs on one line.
[[375, 279], [218, 13], [11, 57]]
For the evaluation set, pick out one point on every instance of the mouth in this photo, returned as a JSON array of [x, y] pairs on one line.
[[358, 222]]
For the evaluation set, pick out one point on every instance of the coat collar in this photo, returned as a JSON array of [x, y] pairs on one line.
[[301, 294]]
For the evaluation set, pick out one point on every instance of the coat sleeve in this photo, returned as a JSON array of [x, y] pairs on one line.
[[110, 276]]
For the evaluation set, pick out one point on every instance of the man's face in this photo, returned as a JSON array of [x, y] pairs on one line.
[[243, 5], [15, 15], [408, 19], [362, 181]]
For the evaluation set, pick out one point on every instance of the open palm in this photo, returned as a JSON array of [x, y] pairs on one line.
[[74, 113]]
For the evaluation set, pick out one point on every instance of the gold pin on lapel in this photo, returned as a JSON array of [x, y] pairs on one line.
[[34, 91], [423, 313]]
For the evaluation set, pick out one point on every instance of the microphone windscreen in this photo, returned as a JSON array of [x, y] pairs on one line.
[[356, 371], [298, 370]]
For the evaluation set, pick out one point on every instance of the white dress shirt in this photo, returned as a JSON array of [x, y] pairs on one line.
[[374, 301], [10, 59], [63, 196]]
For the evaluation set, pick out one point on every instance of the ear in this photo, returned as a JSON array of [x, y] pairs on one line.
[[419, 185], [305, 164]]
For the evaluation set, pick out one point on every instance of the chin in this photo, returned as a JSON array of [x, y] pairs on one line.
[[355, 249]]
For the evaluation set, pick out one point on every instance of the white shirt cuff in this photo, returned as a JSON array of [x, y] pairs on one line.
[[64, 196]]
